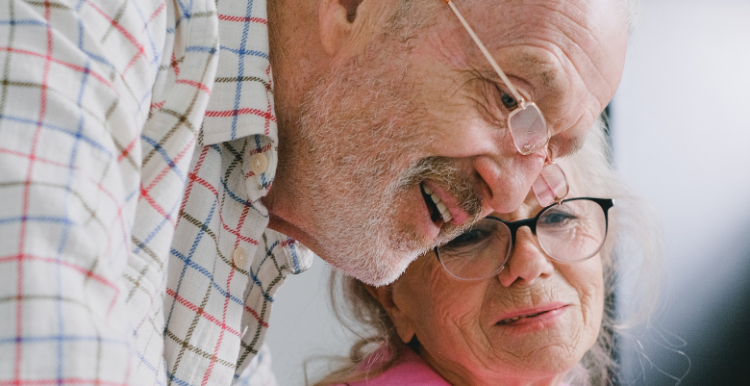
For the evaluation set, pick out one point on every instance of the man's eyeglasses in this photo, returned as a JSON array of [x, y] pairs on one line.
[[528, 129], [571, 231]]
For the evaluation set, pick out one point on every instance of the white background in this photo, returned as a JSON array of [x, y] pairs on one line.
[[681, 132]]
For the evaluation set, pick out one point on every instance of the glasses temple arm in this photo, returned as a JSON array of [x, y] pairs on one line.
[[486, 53]]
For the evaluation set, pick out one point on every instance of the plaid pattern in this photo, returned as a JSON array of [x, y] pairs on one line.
[[100, 105], [217, 312]]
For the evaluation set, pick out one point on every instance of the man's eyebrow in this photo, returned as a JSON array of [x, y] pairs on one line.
[[538, 68]]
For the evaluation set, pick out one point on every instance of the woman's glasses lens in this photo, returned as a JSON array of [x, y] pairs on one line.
[[572, 231]]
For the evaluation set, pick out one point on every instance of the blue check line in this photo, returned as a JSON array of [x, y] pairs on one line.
[[65, 338], [145, 27], [57, 128], [50, 219], [198, 238], [243, 52], [164, 155], [210, 50], [155, 231], [28, 22], [178, 381], [149, 365], [240, 200], [192, 264]]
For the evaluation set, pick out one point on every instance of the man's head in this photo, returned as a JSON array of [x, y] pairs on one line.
[[383, 104]]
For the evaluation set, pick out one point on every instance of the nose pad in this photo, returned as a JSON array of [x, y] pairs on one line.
[[527, 261]]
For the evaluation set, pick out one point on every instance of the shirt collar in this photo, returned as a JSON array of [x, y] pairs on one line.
[[241, 102]]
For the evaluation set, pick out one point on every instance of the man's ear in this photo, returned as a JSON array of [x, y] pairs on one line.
[[346, 26], [399, 316], [336, 17]]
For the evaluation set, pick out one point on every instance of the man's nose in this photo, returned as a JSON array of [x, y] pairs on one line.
[[508, 180], [526, 263]]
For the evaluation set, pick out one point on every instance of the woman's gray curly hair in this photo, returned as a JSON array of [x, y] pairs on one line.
[[631, 225]]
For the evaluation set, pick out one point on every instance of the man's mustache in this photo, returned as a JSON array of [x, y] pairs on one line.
[[460, 184]]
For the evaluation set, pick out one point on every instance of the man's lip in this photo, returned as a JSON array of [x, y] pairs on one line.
[[459, 215], [531, 311]]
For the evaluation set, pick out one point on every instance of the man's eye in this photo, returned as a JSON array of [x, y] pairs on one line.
[[508, 101]]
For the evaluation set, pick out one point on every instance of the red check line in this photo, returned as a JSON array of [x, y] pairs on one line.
[[229, 113], [150, 200], [84, 271], [157, 105], [124, 32], [27, 192], [243, 19], [201, 312], [193, 176], [156, 13], [185, 151], [35, 158], [75, 67], [256, 316], [236, 233], [193, 83], [221, 334], [243, 217], [175, 66], [204, 183], [127, 149]]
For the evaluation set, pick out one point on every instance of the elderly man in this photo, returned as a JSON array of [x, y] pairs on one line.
[[383, 131]]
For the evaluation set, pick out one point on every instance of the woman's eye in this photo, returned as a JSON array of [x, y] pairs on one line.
[[468, 238], [508, 101], [557, 218]]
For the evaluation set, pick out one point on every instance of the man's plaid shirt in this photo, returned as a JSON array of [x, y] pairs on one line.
[[133, 245]]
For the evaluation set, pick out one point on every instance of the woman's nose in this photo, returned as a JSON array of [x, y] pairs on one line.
[[527, 261]]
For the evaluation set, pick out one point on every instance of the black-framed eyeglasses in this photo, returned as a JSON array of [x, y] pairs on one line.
[[571, 231]]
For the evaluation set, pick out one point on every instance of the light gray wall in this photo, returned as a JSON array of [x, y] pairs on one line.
[[681, 131], [303, 327]]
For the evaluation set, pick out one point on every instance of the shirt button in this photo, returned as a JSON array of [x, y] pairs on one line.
[[259, 163], [239, 257]]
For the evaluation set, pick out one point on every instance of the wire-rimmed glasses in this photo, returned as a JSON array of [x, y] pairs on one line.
[[528, 129], [573, 230]]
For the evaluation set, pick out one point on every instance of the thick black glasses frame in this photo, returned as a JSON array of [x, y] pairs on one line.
[[604, 203]]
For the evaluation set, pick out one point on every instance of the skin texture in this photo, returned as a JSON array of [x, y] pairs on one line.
[[370, 108], [456, 321]]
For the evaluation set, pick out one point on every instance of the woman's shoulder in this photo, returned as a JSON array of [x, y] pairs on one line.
[[408, 370]]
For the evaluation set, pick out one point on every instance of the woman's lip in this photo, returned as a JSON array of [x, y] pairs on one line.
[[459, 215], [528, 312]]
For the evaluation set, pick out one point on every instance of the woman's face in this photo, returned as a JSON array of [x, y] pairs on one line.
[[469, 331]]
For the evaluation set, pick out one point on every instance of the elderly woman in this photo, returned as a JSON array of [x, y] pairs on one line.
[[519, 299]]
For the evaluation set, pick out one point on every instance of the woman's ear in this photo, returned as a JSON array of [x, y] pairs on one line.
[[398, 313]]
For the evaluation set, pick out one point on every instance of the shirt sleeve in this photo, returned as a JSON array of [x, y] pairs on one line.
[[258, 372], [76, 93]]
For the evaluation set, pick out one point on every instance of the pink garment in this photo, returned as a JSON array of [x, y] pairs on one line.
[[409, 370]]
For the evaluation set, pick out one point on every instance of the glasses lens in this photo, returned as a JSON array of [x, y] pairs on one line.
[[528, 129], [572, 231], [477, 253], [551, 185]]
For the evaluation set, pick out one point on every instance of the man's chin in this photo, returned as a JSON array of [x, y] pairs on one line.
[[377, 270]]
